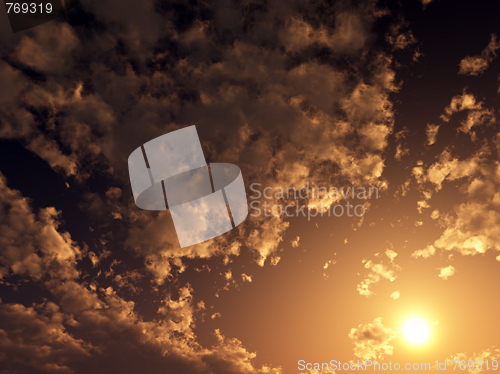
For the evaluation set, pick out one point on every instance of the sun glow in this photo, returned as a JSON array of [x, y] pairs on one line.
[[416, 331]]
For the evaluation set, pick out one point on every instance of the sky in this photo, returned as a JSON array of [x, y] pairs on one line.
[[396, 97]]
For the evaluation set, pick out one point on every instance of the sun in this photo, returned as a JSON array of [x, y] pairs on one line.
[[416, 331]]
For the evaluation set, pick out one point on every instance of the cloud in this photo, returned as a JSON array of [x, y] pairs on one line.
[[228, 356], [477, 65], [50, 152], [264, 244], [431, 131], [477, 115], [395, 295], [465, 101], [15, 122], [326, 266], [377, 272], [285, 115], [391, 254], [470, 227], [34, 339], [116, 338], [246, 278], [401, 148], [427, 252], [448, 168], [372, 340], [399, 39], [472, 231], [446, 272], [49, 49], [113, 336], [489, 355], [349, 35], [88, 128], [32, 245]]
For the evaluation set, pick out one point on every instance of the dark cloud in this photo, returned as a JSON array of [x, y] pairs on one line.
[[476, 65]]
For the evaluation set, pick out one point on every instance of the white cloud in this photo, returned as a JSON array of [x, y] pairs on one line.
[[427, 252], [377, 272], [372, 340], [446, 272], [395, 295]]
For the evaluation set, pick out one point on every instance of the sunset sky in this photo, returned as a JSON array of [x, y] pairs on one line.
[[398, 96]]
